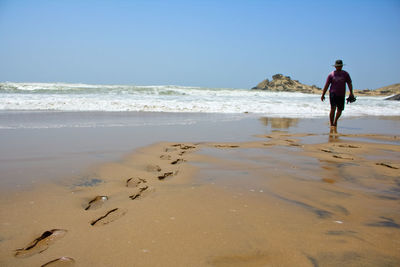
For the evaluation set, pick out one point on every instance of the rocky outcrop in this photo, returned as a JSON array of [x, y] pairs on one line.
[[281, 83], [395, 97], [393, 89]]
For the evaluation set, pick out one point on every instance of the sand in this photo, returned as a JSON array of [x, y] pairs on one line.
[[288, 195]]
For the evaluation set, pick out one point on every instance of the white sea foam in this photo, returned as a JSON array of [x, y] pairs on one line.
[[84, 97]]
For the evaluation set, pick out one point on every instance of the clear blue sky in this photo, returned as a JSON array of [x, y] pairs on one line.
[[230, 44]]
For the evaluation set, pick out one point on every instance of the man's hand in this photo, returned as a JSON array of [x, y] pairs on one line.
[[322, 98], [351, 98]]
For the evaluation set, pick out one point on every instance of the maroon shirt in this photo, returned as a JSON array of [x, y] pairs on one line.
[[338, 80]]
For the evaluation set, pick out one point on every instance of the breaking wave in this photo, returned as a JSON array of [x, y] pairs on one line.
[[171, 98]]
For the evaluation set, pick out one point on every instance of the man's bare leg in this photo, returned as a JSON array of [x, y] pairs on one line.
[[338, 113], [332, 115]]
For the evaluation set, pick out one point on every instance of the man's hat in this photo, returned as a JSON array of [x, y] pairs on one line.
[[338, 63]]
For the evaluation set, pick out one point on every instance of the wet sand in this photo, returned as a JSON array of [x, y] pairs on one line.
[[287, 196]]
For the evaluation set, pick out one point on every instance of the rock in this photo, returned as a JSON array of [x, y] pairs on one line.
[[281, 83], [395, 97]]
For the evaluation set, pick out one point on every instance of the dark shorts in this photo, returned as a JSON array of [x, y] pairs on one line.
[[336, 101]]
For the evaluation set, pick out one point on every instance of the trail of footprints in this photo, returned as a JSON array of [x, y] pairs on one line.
[[347, 156], [138, 187], [340, 155]]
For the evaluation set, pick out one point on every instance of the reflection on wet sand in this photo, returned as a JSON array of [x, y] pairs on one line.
[[333, 135], [279, 123]]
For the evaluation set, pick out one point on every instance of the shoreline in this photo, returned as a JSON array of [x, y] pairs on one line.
[[70, 150], [244, 192]]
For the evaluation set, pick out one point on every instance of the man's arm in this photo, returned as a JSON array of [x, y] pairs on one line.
[[350, 85], [325, 89]]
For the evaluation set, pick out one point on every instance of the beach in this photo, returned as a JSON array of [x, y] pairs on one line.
[[199, 133], [191, 189]]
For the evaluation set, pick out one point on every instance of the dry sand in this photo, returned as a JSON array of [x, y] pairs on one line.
[[286, 199]]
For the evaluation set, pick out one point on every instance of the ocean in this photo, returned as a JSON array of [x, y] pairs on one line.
[[16, 98], [55, 130]]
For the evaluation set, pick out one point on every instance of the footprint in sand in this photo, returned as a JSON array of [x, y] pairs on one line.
[[295, 144], [139, 184], [165, 175], [184, 147], [135, 182], [387, 165], [153, 168], [226, 146], [96, 203], [169, 149], [268, 144], [349, 146], [385, 222], [167, 157], [342, 157], [63, 261], [177, 161], [41, 243], [139, 192], [110, 216]]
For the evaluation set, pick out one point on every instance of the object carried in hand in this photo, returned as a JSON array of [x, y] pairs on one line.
[[351, 99]]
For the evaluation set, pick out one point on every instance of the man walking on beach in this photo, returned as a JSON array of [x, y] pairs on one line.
[[337, 79]]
